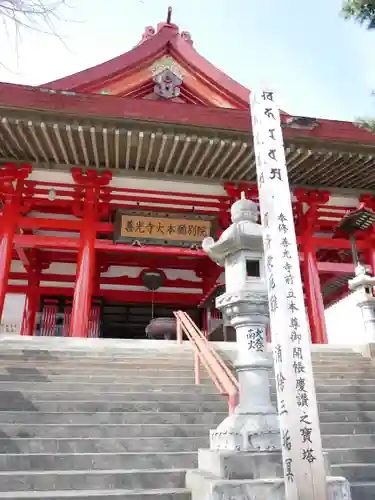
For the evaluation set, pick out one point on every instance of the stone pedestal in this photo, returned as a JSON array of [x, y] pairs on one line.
[[363, 287], [205, 486]]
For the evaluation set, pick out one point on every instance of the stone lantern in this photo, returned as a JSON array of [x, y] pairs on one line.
[[363, 287], [249, 440]]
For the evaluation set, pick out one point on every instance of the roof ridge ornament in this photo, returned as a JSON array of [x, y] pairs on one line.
[[169, 15], [150, 31]]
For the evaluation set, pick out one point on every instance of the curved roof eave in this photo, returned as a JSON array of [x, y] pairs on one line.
[[167, 39], [120, 64], [202, 66]]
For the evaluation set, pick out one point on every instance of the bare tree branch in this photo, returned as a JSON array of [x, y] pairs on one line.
[[18, 16], [38, 15]]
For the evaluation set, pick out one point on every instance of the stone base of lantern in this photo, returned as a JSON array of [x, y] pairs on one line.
[[207, 487], [230, 475], [246, 432]]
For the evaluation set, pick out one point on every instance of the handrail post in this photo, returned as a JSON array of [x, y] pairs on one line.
[[179, 331], [232, 402]]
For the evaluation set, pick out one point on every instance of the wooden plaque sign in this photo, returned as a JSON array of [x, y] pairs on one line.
[[160, 229]]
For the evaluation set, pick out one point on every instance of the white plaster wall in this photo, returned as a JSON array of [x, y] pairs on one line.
[[164, 185], [344, 323], [17, 267], [12, 313], [65, 269], [61, 268]]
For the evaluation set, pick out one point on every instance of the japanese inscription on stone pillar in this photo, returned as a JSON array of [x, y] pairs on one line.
[[303, 461]]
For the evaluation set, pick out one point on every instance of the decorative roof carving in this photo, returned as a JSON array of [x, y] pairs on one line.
[[150, 31], [167, 84], [167, 62]]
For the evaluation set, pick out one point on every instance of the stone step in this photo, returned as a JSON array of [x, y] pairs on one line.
[[106, 367], [352, 455], [19, 403], [99, 461], [154, 377], [48, 356], [120, 387], [185, 359], [145, 444], [101, 445], [362, 491], [108, 430], [347, 441], [355, 472], [157, 378], [329, 387], [351, 397], [114, 418], [161, 494], [152, 364], [111, 430], [174, 356], [340, 427], [144, 374], [127, 479], [110, 396], [347, 406], [106, 347], [170, 418], [157, 395]]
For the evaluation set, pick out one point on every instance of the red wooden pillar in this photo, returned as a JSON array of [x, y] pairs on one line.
[[314, 298], [11, 188], [91, 183], [307, 211], [32, 302]]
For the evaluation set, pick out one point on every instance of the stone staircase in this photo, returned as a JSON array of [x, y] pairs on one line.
[[103, 419]]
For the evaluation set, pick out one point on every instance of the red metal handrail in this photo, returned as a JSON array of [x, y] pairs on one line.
[[205, 354]]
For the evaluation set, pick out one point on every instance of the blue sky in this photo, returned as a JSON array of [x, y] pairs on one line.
[[319, 64]]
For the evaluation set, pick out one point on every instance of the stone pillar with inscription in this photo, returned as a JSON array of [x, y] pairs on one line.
[[304, 464], [363, 287]]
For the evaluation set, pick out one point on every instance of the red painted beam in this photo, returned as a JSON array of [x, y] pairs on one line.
[[50, 224], [111, 259], [335, 243], [110, 280], [123, 296], [332, 267], [24, 258], [55, 242]]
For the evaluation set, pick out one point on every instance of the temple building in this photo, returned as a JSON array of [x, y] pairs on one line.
[[110, 178]]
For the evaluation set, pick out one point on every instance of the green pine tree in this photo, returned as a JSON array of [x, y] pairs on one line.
[[362, 11]]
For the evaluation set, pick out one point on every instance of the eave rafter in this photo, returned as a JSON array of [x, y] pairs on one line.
[[148, 149]]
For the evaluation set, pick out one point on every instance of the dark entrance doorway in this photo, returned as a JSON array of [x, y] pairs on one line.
[[129, 321]]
